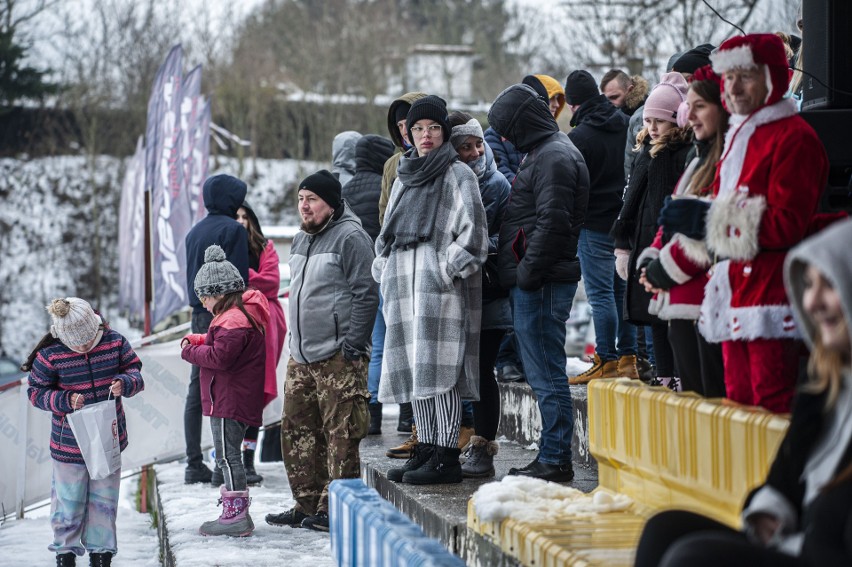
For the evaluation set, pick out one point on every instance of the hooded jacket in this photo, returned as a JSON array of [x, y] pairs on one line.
[[507, 158], [389, 172], [823, 525], [541, 228], [222, 201], [232, 359], [343, 155], [599, 131], [634, 103], [363, 191], [59, 372], [333, 298]]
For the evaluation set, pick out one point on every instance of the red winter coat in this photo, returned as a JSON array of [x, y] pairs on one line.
[[267, 280], [232, 359], [767, 189]]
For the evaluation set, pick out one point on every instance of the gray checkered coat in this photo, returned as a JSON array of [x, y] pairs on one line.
[[433, 297]]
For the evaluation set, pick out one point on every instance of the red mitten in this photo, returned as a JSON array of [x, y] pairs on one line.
[[195, 339]]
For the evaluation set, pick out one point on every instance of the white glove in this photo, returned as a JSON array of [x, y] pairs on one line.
[[622, 259]]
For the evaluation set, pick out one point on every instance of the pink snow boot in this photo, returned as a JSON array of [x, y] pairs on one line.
[[235, 519]]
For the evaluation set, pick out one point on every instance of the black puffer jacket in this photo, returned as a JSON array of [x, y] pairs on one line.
[[599, 132], [538, 238], [363, 190], [651, 181]]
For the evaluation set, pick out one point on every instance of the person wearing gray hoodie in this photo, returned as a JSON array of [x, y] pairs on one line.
[[802, 514], [343, 162]]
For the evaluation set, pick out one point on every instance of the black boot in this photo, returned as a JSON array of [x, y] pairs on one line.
[[375, 419], [442, 468], [66, 560], [420, 455], [217, 477], [252, 478], [406, 418], [100, 559]]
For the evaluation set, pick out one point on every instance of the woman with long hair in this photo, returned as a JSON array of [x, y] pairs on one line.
[[675, 266], [802, 515]]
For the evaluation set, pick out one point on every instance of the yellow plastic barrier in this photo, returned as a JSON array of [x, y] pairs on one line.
[[664, 450]]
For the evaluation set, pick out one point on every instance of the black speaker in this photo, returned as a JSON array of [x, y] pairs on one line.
[[827, 53]]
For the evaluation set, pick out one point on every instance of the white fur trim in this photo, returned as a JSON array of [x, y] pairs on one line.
[[721, 322], [658, 303], [739, 57], [671, 267], [680, 311], [738, 136], [714, 322], [733, 225], [694, 250], [768, 76], [649, 252]]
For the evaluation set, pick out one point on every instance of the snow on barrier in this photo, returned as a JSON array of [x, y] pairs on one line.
[[366, 529]]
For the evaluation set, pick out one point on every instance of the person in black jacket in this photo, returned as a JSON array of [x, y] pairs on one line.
[[537, 262], [223, 196], [362, 192], [598, 132], [802, 515]]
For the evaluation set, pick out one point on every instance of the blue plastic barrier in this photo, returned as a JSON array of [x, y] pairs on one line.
[[366, 530]]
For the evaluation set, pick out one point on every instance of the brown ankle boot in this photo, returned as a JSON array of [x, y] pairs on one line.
[[599, 369], [627, 367], [405, 450]]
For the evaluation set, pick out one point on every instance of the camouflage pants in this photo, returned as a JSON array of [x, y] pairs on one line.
[[325, 418]]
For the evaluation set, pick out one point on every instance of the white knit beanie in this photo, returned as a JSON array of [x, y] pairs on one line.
[[461, 132], [75, 323]]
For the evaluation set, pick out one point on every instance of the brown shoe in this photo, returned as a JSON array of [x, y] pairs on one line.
[[465, 433], [404, 451], [599, 369], [627, 367]]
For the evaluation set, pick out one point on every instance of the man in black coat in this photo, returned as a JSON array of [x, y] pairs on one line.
[[599, 131], [537, 262], [223, 196]]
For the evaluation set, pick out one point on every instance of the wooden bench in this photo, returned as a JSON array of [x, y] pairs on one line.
[[662, 449]]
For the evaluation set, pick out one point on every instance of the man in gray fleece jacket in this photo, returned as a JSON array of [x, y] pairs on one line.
[[333, 301]]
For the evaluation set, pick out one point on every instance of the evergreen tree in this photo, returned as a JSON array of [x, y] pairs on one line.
[[17, 80]]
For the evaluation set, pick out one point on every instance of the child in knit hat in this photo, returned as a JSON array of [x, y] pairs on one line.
[[232, 359], [661, 148], [81, 361]]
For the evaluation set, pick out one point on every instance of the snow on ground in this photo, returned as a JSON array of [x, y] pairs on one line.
[[186, 507]]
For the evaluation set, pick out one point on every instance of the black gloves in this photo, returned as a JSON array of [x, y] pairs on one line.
[[685, 216], [657, 276]]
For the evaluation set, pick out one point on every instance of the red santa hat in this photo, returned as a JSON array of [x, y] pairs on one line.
[[750, 51]]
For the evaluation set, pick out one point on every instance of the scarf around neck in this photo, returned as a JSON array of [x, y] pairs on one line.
[[412, 220]]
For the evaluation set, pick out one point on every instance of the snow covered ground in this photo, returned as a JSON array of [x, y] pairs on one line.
[[25, 542]]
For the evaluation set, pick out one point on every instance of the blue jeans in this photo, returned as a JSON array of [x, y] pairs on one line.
[[374, 372], [605, 290], [539, 320]]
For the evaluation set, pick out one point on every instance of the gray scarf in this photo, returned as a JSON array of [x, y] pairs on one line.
[[412, 219]]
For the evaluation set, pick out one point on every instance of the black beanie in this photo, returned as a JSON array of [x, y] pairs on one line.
[[693, 59], [325, 185], [429, 107], [580, 87], [401, 111], [538, 86]]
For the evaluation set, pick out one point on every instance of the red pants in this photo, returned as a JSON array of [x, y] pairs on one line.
[[762, 372]]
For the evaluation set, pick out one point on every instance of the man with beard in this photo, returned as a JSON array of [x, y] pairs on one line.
[[333, 301]]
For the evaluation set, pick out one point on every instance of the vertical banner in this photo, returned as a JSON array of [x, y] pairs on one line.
[[200, 162], [170, 217], [131, 259], [190, 114]]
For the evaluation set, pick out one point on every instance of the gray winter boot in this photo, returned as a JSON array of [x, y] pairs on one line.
[[480, 458], [235, 519]]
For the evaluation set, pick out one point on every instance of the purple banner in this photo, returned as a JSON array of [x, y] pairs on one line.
[[190, 110], [200, 160], [131, 237], [170, 217]]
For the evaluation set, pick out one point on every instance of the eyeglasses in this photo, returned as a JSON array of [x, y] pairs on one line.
[[434, 130]]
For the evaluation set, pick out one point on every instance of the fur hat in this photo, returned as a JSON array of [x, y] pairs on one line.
[[430, 107], [217, 276], [749, 52], [461, 132], [580, 87], [666, 97], [325, 185], [74, 322]]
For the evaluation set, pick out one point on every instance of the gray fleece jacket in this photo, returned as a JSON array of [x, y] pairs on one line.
[[333, 297]]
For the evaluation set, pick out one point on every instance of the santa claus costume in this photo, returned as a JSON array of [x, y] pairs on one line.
[[767, 189]]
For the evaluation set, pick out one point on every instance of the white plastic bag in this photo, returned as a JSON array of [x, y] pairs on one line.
[[95, 427]]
